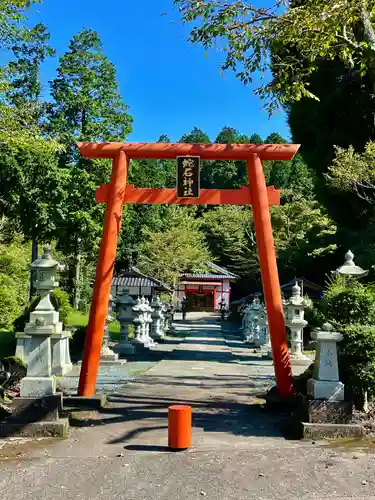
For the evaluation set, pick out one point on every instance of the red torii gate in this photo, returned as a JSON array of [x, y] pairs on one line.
[[116, 193]]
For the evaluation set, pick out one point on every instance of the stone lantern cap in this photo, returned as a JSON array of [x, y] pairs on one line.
[[326, 334], [138, 305], [296, 299], [125, 298], [256, 304], [46, 261], [349, 268]]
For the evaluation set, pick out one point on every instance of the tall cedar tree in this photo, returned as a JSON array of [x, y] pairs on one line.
[[86, 106], [26, 172]]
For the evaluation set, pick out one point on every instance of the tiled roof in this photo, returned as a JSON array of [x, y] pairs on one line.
[[207, 276], [220, 274], [134, 278], [132, 281], [221, 270]]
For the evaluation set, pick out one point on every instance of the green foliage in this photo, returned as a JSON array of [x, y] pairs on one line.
[[300, 381], [9, 305], [76, 318], [231, 238], [77, 341], [303, 233], [87, 103], [19, 82], [354, 172], [14, 276], [179, 248], [25, 180], [60, 300], [357, 359], [86, 106], [307, 30], [348, 301]]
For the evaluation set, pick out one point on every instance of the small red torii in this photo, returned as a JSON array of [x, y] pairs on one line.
[[117, 192]]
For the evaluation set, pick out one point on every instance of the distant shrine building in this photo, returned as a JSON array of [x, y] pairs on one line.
[[206, 292]]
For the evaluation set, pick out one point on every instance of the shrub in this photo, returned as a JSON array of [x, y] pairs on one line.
[[77, 341], [300, 381], [348, 301], [61, 302], [357, 359], [20, 322], [314, 314], [353, 305], [9, 304]]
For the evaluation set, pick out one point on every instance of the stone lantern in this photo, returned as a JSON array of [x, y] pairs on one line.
[[223, 308], [349, 269], [156, 326], [295, 311], [148, 321], [139, 321], [107, 355], [263, 339], [37, 411], [244, 320], [48, 345], [125, 316], [252, 322]]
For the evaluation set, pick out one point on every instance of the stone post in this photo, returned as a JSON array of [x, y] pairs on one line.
[[325, 383], [295, 308], [156, 326], [125, 316]]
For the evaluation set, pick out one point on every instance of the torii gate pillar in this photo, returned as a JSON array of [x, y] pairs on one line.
[[270, 276]]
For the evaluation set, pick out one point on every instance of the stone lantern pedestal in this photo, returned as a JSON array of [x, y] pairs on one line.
[[37, 411]]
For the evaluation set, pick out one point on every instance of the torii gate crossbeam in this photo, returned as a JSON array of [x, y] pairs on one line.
[[116, 193]]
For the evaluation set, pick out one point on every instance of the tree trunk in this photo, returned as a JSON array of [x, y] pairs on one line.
[[34, 256], [77, 280]]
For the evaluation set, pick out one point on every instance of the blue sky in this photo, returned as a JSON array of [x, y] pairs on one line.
[[169, 84]]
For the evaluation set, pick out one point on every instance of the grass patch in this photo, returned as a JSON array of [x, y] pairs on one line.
[[7, 343], [76, 318]]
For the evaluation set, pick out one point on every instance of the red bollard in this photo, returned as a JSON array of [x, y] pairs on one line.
[[179, 427]]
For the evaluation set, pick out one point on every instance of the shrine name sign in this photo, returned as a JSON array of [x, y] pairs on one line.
[[188, 176]]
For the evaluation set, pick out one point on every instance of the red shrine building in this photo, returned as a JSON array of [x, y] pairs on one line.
[[205, 292]]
